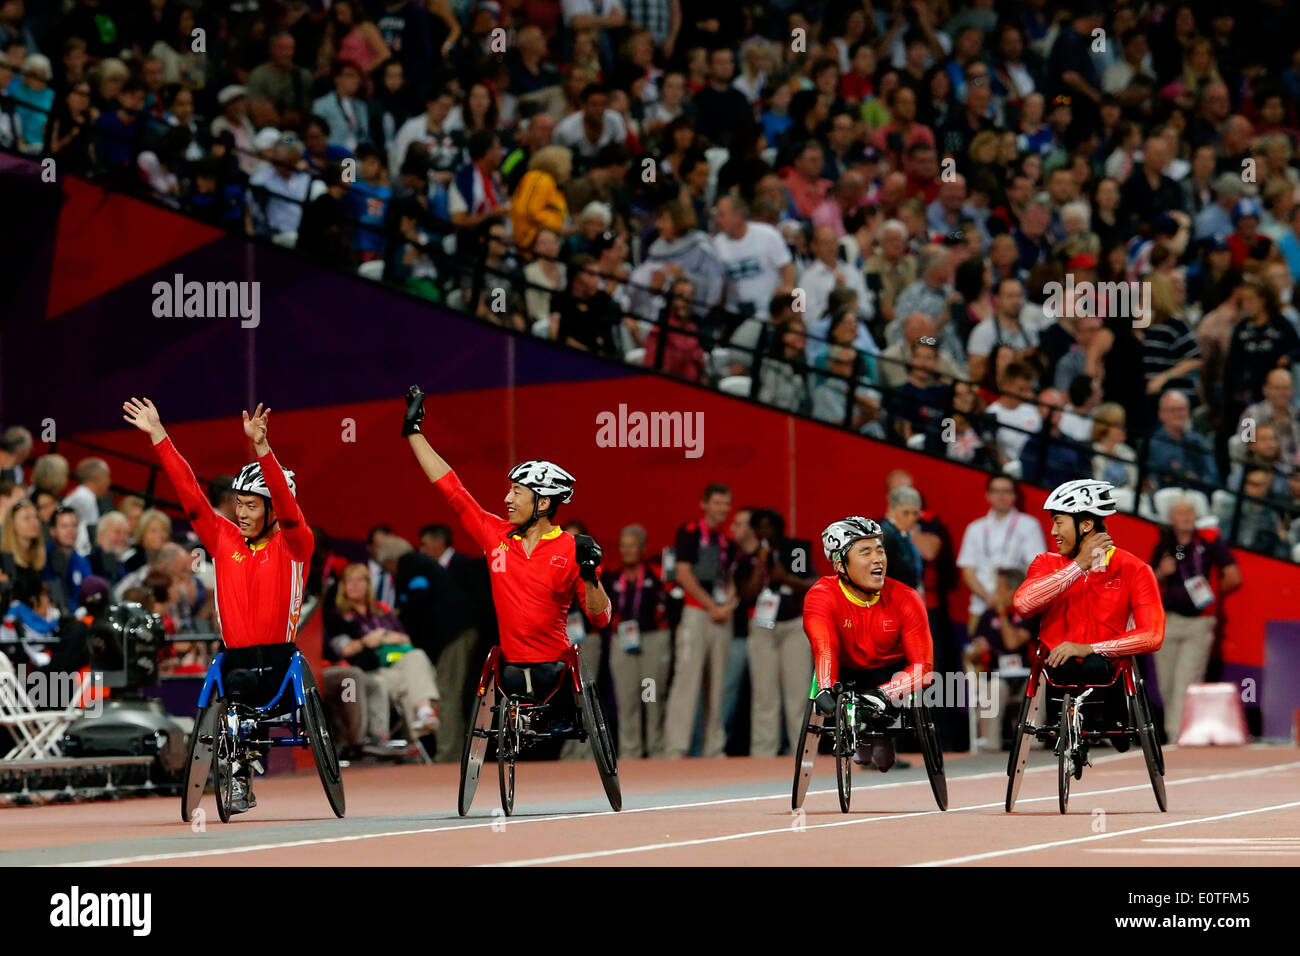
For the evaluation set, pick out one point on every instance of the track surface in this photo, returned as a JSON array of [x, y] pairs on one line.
[[1228, 807]]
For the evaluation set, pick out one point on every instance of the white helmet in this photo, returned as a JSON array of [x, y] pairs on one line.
[[839, 535], [250, 481], [544, 479], [1083, 496]]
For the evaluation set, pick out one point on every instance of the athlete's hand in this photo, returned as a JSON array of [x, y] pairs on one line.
[[878, 702], [142, 414], [1065, 651], [255, 425], [1094, 550], [589, 555], [414, 411], [825, 701]]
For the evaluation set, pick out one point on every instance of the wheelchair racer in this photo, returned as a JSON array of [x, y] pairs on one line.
[[1098, 602], [867, 629], [260, 558], [536, 568]]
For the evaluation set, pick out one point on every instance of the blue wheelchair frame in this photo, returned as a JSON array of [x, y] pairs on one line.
[[296, 737]]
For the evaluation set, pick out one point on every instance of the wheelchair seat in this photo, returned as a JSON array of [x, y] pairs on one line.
[[536, 682], [253, 675]]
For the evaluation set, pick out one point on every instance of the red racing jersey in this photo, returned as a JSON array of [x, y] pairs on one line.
[[848, 631], [259, 589], [1116, 609], [532, 592]]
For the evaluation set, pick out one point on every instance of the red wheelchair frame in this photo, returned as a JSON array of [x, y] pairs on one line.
[[507, 721], [1067, 735]]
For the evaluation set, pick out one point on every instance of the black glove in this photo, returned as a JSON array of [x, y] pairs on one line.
[[878, 702], [588, 554], [825, 701], [414, 411]]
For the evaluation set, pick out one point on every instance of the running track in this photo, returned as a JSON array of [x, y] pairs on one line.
[[1228, 807]]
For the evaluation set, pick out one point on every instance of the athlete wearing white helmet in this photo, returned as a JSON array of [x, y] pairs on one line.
[[536, 567], [866, 629]]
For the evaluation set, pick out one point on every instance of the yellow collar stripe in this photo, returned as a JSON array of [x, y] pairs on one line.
[[857, 600], [555, 532]]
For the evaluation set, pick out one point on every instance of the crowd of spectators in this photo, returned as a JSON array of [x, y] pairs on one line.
[[862, 212]]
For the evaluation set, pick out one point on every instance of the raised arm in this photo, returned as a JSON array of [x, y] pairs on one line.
[[297, 533], [207, 523], [481, 525]]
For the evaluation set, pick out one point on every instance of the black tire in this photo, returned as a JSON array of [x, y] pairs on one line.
[[476, 741], [224, 746], [505, 759], [322, 749], [805, 756], [1019, 755], [198, 760], [1155, 731], [1141, 712], [602, 746], [843, 754], [931, 751], [1064, 756]]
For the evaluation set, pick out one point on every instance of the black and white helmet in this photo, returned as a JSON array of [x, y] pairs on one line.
[[839, 535], [544, 479], [1083, 496], [250, 481]]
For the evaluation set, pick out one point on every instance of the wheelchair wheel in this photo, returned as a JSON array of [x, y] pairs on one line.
[[843, 753], [602, 746], [1140, 711], [1019, 756], [476, 741], [198, 762], [506, 754], [1155, 734], [322, 749], [805, 754], [224, 748], [1065, 754], [931, 751]]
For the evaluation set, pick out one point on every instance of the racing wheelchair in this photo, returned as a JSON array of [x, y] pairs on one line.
[[851, 725], [1053, 712], [517, 717], [231, 734]]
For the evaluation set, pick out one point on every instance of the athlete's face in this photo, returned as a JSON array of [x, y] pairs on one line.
[[1063, 532], [519, 504], [866, 564], [250, 514]]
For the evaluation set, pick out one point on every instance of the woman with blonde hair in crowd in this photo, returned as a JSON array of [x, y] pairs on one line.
[[1112, 459], [365, 633], [152, 531], [538, 202], [22, 546]]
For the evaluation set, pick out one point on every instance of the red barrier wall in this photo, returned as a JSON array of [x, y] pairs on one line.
[[811, 472]]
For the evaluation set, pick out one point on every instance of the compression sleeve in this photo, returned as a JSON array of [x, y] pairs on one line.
[[481, 525], [918, 648], [1041, 587], [1148, 632], [203, 518], [297, 533], [819, 625]]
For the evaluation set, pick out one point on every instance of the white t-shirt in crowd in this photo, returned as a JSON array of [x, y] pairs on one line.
[[1024, 416], [753, 265], [569, 132], [995, 542], [576, 8], [988, 333]]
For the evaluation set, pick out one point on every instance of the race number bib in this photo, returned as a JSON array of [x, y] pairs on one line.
[[1198, 589], [629, 637], [765, 610], [575, 628]]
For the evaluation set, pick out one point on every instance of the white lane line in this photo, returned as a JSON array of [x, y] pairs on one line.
[[598, 854], [974, 857], [499, 822]]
